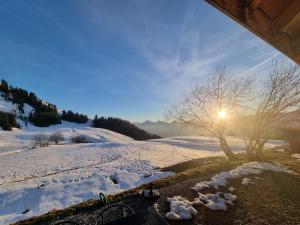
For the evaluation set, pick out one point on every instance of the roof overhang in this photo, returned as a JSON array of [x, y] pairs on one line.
[[275, 21]]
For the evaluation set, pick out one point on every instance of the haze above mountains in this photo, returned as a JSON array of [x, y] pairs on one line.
[[169, 129]]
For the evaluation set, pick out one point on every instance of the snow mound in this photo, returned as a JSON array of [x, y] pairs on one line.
[[218, 201], [246, 181], [222, 178], [181, 209], [231, 189]]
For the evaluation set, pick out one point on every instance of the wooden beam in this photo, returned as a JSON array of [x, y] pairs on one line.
[[254, 4], [264, 26], [291, 12]]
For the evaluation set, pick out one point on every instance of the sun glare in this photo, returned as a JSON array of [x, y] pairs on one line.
[[222, 114]]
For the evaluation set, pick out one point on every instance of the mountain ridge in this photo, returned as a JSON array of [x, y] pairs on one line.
[[170, 129]]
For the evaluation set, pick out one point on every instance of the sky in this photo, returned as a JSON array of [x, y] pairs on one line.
[[130, 59]]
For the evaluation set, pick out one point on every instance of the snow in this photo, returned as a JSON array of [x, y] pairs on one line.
[[218, 201], [231, 189], [58, 176], [6, 106], [246, 181], [208, 143], [181, 209], [222, 178]]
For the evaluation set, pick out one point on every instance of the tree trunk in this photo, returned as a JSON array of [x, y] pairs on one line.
[[250, 152], [226, 149], [255, 151], [259, 151]]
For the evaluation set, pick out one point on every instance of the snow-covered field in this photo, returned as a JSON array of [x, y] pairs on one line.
[[58, 176]]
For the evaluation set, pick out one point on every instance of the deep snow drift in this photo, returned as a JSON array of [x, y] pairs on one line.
[[58, 176]]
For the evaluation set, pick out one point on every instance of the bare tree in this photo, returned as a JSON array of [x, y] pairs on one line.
[[56, 137], [40, 140], [208, 104], [280, 93]]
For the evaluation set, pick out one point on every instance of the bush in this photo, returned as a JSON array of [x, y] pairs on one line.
[[56, 137], [79, 139], [40, 140]]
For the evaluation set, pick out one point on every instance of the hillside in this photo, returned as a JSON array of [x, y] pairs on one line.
[[22, 109], [58, 176]]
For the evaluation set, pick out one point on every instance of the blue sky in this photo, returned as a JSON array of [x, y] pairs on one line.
[[130, 59]]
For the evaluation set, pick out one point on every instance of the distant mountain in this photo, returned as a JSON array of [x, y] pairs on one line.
[[165, 129], [285, 121]]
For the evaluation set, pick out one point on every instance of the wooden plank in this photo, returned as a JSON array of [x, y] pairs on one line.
[[264, 26], [254, 4], [286, 18]]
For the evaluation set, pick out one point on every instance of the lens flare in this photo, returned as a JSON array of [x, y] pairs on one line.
[[222, 114]]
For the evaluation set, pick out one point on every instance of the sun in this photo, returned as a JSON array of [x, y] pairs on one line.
[[222, 114]]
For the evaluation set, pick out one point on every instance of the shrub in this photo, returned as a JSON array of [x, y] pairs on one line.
[[41, 140], [56, 137], [79, 139]]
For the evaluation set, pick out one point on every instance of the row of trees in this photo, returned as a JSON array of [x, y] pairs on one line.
[[20, 96], [44, 118], [122, 127], [42, 140], [44, 114], [8, 121], [254, 109], [74, 117]]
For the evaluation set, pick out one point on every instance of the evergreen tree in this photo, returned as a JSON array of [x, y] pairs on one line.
[[4, 87], [122, 127], [7, 121], [74, 117]]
